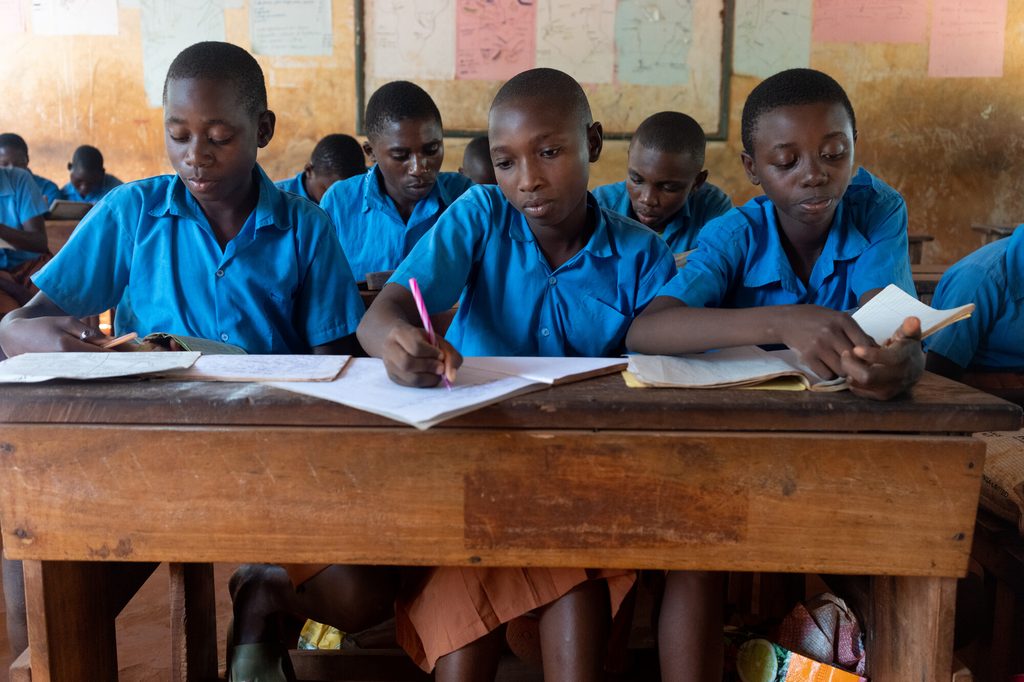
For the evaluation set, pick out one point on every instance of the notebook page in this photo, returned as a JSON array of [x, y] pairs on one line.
[[34, 367], [726, 367], [546, 370], [262, 368], [882, 316]]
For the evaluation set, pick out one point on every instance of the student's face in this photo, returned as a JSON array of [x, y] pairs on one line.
[[13, 158], [212, 139], [803, 159], [85, 181], [318, 182], [409, 154], [479, 169], [659, 183], [542, 160]]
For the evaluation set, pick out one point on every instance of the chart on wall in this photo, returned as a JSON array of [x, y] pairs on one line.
[[633, 57]]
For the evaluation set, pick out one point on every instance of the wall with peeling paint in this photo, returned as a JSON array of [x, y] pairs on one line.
[[952, 146]]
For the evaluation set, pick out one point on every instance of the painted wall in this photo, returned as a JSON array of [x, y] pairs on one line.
[[954, 147]]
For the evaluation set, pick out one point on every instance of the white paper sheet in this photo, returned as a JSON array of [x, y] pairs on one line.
[[262, 368], [413, 39], [575, 37], [35, 367], [547, 370], [168, 27], [74, 17], [12, 17], [722, 368], [291, 27], [882, 316], [771, 36]]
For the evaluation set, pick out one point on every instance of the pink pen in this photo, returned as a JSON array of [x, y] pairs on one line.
[[425, 318]]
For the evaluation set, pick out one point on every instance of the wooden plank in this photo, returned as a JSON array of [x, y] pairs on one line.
[[901, 505], [70, 624], [910, 629], [21, 670], [935, 405], [193, 623]]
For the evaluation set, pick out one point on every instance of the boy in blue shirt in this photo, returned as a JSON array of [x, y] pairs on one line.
[[90, 181], [381, 214], [335, 157], [541, 270], [476, 162], [992, 339], [785, 268], [666, 185], [14, 154], [23, 232]]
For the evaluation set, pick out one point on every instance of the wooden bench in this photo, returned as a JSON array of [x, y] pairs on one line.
[[991, 233]]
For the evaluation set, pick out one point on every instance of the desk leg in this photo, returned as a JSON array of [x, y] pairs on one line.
[[193, 623], [70, 626], [911, 636]]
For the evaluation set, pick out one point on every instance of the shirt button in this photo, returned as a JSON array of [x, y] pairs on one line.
[[545, 332], [220, 273], [223, 337], [552, 280]]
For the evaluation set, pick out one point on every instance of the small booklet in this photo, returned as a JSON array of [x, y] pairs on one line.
[[255, 368], [36, 367], [481, 381], [61, 209], [751, 366]]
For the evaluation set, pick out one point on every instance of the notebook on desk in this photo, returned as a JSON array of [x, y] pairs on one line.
[[61, 209]]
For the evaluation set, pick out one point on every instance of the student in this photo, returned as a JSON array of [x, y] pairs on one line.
[[90, 182], [784, 269], [992, 339], [544, 271], [666, 185], [383, 213], [14, 154], [22, 229], [476, 162], [335, 157]]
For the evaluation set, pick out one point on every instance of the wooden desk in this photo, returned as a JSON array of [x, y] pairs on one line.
[[590, 474], [916, 246], [58, 232], [926, 278]]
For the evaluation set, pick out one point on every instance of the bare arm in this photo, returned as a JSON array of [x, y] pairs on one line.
[[31, 236], [42, 326]]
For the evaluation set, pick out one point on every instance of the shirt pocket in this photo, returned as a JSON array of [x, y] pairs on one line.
[[596, 328]]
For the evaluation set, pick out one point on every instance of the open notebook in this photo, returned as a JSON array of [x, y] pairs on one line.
[[750, 366], [481, 381]]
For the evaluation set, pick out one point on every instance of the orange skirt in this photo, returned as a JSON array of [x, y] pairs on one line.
[[453, 606]]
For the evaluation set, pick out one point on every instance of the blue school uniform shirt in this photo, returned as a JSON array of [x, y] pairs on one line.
[[740, 261], [372, 234], [514, 303], [992, 278], [47, 188], [20, 201], [69, 193], [295, 186], [282, 285], [703, 205]]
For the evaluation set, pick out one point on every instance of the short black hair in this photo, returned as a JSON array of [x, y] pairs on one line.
[[87, 158], [790, 88], [552, 85], [398, 101], [14, 141], [339, 154], [223, 62], [672, 132], [478, 146]]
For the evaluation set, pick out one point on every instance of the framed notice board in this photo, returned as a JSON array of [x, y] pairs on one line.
[[633, 57]]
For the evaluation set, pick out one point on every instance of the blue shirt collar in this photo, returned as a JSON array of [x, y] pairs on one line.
[[680, 222], [845, 242], [178, 201], [374, 196], [599, 243]]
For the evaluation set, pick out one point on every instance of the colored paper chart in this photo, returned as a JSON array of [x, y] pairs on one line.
[[495, 39], [771, 36], [652, 41], [413, 39], [870, 21], [968, 38], [574, 37]]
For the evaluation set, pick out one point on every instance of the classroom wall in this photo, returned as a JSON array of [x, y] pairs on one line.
[[952, 146]]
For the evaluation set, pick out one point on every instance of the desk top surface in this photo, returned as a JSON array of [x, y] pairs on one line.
[[935, 405]]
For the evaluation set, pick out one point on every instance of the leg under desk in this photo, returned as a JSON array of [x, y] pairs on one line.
[[910, 629]]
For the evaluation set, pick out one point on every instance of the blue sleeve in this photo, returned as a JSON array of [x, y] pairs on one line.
[[966, 284], [90, 273], [443, 259], [68, 193], [329, 305], [50, 192], [710, 270], [30, 201], [661, 269], [886, 260]]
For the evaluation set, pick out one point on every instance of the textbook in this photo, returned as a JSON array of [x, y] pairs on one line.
[[751, 366], [481, 381], [204, 346], [61, 209]]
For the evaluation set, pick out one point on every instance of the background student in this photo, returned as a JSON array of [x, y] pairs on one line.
[[23, 233], [666, 185], [382, 214], [89, 180], [14, 154], [336, 157], [476, 162]]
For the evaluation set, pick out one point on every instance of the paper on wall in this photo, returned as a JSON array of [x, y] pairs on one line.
[[169, 26], [291, 27], [575, 37], [652, 41], [968, 37], [771, 36], [74, 17], [413, 39]]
